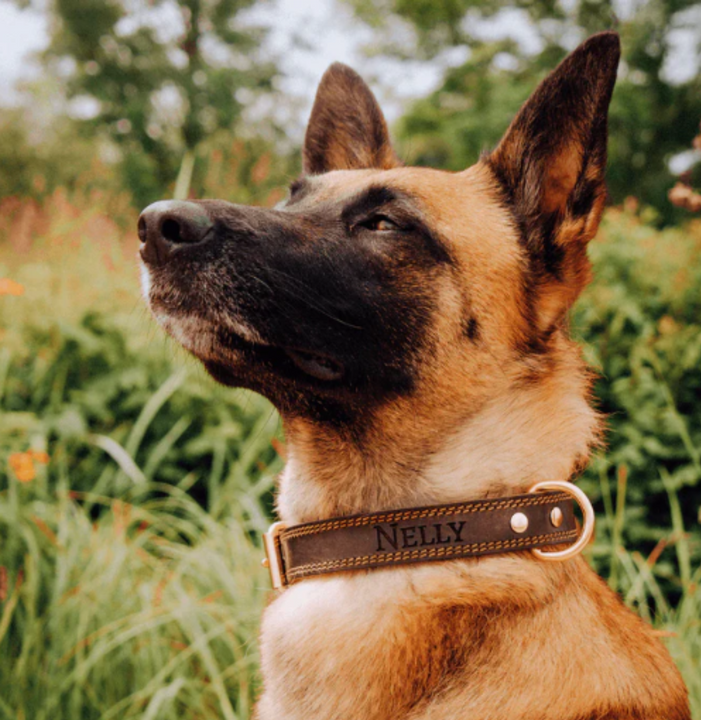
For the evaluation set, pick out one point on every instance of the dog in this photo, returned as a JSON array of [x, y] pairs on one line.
[[410, 325]]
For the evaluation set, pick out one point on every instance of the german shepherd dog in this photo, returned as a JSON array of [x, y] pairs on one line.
[[410, 325]]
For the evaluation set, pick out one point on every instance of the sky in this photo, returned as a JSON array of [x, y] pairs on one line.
[[21, 33]]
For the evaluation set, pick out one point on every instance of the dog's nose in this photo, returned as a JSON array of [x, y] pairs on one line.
[[168, 224]]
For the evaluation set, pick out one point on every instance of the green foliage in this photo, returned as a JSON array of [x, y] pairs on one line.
[[132, 494], [642, 580], [162, 77], [83, 383], [468, 114], [249, 172], [640, 318], [640, 322], [653, 115], [16, 157], [35, 169], [146, 612]]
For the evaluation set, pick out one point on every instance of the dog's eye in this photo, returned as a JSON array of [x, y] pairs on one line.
[[380, 223]]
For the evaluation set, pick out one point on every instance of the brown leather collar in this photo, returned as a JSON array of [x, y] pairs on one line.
[[438, 533]]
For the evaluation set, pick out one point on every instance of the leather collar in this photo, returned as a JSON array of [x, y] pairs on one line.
[[430, 534]]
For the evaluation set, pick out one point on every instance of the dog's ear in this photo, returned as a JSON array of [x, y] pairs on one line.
[[551, 165], [347, 130]]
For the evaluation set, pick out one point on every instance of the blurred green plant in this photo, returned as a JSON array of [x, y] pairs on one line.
[[132, 493], [156, 79], [642, 578], [146, 612], [641, 320], [58, 158]]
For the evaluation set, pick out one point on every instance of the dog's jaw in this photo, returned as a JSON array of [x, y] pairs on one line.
[[526, 433], [196, 333]]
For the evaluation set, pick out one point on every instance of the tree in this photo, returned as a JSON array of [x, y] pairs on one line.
[[654, 111], [157, 77]]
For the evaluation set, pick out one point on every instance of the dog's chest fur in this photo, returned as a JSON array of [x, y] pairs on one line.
[[423, 643], [353, 647], [324, 640]]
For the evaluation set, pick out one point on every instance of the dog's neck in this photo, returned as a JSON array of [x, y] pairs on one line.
[[527, 433]]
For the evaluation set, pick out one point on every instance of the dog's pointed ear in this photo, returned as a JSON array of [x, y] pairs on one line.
[[347, 130], [551, 165]]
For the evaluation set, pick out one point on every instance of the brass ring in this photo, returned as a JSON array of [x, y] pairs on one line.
[[587, 526]]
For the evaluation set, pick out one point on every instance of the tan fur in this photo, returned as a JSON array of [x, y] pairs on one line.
[[530, 640]]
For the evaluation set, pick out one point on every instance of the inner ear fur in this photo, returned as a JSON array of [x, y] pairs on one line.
[[347, 130], [551, 165]]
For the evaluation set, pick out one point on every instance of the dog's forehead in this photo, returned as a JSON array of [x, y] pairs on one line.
[[466, 208], [437, 193]]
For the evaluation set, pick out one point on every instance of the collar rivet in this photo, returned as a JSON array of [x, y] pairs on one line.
[[556, 517], [519, 522]]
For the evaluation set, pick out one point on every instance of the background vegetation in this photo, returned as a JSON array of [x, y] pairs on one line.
[[133, 490]]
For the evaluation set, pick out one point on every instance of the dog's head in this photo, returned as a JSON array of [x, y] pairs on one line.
[[377, 288]]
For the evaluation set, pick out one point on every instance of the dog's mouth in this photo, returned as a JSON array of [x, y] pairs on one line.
[[287, 362], [225, 352], [312, 365], [320, 367]]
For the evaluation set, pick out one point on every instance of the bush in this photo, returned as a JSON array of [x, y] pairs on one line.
[[641, 320], [147, 612]]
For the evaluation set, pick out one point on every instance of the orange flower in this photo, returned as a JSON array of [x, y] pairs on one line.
[[22, 465], [10, 287]]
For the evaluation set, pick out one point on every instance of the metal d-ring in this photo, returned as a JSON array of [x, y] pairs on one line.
[[587, 524], [273, 560]]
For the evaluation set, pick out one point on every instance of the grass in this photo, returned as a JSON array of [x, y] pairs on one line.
[[148, 612], [643, 581], [133, 491]]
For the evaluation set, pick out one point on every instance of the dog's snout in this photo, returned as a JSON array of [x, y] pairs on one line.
[[167, 224]]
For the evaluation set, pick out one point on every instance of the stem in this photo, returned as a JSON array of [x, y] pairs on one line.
[[182, 184]]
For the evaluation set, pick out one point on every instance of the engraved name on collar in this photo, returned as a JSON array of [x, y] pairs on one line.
[[390, 536]]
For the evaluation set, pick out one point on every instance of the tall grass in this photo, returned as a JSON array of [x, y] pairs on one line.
[[150, 611], [644, 580], [133, 490]]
